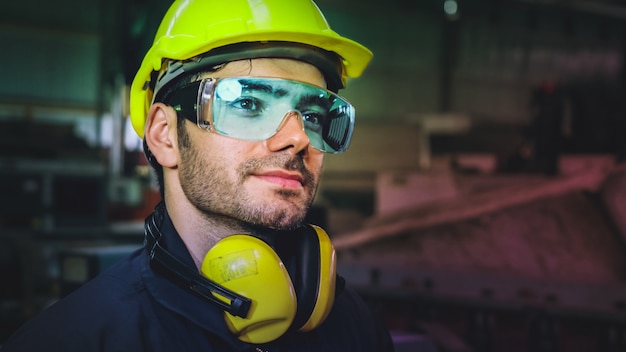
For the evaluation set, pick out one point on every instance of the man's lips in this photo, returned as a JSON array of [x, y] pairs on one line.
[[281, 178]]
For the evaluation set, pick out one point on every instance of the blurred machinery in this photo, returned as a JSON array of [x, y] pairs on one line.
[[508, 263]]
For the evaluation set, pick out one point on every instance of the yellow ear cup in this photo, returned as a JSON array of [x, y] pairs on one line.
[[327, 280], [250, 267]]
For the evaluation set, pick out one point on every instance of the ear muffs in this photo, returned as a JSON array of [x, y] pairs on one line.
[[294, 290]]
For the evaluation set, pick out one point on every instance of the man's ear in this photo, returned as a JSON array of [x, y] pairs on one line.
[[160, 134]]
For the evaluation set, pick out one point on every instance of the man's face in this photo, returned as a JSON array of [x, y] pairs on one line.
[[270, 183]]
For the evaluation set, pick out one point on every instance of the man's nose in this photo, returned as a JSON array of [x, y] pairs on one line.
[[290, 134]]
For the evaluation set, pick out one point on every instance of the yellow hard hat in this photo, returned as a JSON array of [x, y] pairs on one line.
[[194, 27]]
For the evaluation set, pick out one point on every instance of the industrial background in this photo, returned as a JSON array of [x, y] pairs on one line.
[[481, 207]]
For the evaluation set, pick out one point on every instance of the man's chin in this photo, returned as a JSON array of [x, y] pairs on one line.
[[262, 227], [281, 222]]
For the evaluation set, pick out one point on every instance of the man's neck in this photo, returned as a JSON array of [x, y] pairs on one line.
[[200, 231]]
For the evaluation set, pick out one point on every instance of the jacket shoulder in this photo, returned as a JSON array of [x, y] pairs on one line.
[[103, 310]]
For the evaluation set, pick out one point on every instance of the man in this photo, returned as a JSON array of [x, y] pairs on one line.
[[236, 104]]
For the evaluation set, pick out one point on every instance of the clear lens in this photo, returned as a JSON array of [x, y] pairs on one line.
[[252, 108]]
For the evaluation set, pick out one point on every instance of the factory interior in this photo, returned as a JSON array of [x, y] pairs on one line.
[[478, 209]]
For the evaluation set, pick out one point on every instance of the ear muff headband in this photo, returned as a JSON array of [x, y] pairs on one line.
[[300, 253], [326, 283], [310, 260]]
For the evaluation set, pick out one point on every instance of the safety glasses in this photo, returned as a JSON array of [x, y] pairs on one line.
[[255, 109]]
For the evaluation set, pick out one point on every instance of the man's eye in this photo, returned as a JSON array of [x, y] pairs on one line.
[[249, 106], [313, 120]]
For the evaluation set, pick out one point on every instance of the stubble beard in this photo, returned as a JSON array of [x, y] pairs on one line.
[[207, 185]]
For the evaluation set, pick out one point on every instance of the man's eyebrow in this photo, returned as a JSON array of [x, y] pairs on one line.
[[313, 99], [266, 88]]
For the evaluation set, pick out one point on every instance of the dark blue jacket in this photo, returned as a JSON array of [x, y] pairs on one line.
[[131, 308]]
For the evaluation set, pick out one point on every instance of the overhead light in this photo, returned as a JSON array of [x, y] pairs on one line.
[[451, 9]]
